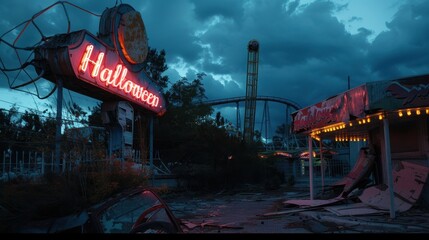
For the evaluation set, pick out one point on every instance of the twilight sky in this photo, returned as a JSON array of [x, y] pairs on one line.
[[308, 48]]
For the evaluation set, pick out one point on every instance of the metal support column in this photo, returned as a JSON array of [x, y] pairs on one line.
[[389, 166], [310, 164]]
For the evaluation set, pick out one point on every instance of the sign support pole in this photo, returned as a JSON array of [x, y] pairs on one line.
[[151, 148], [59, 124]]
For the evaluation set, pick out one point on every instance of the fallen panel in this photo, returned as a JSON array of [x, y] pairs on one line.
[[360, 172], [356, 176], [315, 202], [408, 182], [353, 209]]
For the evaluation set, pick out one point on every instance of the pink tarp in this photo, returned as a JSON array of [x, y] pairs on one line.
[[408, 182]]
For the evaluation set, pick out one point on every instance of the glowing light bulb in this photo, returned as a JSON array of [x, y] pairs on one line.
[[400, 114], [418, 112], [409, 112]]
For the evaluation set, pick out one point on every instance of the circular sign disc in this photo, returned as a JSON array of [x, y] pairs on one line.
[[132, 37]]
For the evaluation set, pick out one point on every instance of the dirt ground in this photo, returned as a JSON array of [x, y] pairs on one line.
[[226, 212], [254, 210]]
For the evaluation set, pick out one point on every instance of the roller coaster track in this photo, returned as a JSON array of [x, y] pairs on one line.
[[285, 101], [236, 100]]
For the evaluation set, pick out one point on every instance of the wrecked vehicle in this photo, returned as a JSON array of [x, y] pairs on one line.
[[140, 210]]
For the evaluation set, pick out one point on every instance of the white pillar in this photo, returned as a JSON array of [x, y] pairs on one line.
[[389, 166], [310, 164], [322, 165]]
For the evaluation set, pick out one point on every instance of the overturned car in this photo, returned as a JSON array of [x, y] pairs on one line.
[[139, 210]]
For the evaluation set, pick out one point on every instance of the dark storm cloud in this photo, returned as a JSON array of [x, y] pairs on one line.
[[204, 10], [312, 34], [170, 25], [402, 50], [228, 88]]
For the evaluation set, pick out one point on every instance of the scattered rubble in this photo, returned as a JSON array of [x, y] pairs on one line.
[[290, 211]]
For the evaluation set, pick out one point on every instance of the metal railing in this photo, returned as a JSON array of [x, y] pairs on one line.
[[32, 165]]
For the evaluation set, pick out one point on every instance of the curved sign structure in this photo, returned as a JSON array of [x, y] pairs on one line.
[[92, 68], [108, 67]]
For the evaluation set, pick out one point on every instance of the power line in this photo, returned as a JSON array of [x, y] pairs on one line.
[[40, 115], [15, 104]]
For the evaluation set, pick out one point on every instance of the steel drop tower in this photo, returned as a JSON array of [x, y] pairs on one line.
[[251, 89]]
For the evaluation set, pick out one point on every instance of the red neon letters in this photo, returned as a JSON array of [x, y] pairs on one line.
[[116, 78]]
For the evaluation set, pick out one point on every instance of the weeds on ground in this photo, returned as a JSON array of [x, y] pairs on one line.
[[59, 195]]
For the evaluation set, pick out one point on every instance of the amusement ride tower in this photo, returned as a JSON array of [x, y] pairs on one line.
[[251, 90]]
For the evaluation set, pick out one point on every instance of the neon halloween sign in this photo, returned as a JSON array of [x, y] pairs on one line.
[[93, 62], [116, 78]]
